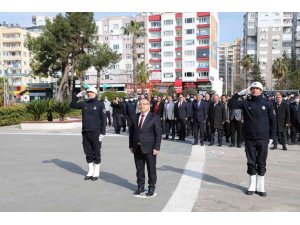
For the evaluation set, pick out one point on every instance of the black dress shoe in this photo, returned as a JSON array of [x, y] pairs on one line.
[[210, 144], [249, 192], [262, 194], [284, 149], [94, 178], [220, 145], [87, 177], [273, 148], [232, 145], [202, 144], [173, 138], [239, 146], [139, 191], [166, 138], [150, 192], [292, 143], [195, 143]]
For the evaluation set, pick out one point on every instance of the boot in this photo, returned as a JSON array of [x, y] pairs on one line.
[[260, 188], [90, 173], [252, 185], [96, 172]]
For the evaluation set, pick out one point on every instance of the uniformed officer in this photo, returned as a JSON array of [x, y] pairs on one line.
[[259, 122], [93, 129]]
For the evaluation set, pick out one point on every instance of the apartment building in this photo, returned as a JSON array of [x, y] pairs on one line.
[[15, 58], [183, 50], [230, 65], [267, 35], [296, 34]]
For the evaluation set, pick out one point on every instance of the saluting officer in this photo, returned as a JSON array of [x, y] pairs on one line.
[[259, 121], [93, 129]]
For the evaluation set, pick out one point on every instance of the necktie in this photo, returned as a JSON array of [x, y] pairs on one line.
[[141, 121], [179, 104], [199, 104]]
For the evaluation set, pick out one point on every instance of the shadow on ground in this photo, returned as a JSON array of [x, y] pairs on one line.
[[105, 176]]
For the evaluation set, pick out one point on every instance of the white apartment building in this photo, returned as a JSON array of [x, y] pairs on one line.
[[183, 50], [267, 36]]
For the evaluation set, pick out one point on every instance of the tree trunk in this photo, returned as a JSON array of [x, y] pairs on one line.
[[134, 62], [98, 80], [63, 89], [143, 88], [81, 75], [72, 86]]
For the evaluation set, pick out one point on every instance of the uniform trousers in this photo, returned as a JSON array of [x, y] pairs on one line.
[[92, 146]]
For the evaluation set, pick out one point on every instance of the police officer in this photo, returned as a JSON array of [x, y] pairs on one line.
[[259, 121], [93, 129]]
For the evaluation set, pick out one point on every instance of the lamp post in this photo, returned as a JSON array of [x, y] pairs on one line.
[[12, 83]]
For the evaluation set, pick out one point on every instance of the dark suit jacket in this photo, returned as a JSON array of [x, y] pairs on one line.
[[216, 115], [199, 113], [282, 115], [160, 111], [182, 111], [149, 136], [295, 116]]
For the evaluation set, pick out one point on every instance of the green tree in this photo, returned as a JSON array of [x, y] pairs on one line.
[[103, 57], [81, 63], [2, 91], [295, 79], [256, 73], [134, 30], [247, 62], [143, 75], [280, 70], [59, 45]]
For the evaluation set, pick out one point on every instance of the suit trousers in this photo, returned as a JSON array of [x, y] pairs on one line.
[[92, 146], [226, 129], [140, 160], [198, 128], [108, 118], [170, 124], [281, 138], [181, 128], [295, 128], [236, 126], [117, 122], [220, 136], [256, 152]]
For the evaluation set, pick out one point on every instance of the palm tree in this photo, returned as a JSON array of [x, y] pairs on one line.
[[143, 75], [247, 62], [279, 69], [135, 31]]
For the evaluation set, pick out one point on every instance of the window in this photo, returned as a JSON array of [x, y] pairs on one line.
[[106, 77], [116, 66], [155, 24], [128, 66], [203, 42], [115, 37], [263, 37], [276, 29], [203, 74], [115, 47], [189, 63], [276, 37], [202, 53], [128, 46], [168, 64], [168, 54], [168, 22], [168, 43], [155, 45], [203, 65], [189, 52], [203, 20], [189, 74], [275, 51], [189, 20], [128, 56], [168, 75], [263, 52], [189, 42], [168, 33], [106, 38], [155, 55], [155, 34], [189, 31]]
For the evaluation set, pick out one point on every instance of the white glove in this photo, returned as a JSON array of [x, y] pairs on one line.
[[270, 143], [244, 92], [101, 137], [80, 94]]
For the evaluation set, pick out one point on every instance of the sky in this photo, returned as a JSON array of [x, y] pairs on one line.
[[231, 23]]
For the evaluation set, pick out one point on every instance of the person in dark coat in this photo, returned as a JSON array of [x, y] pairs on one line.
[[295, 119], [236, 120], [144, 143], [282, 121], [117, 114], [226, 126], [158, 109], [216, 118], [130, 112], [199, 117], [181, 114], [93, 129], [259, 122], [207, 134]]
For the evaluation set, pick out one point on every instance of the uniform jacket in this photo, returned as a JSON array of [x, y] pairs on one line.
[[93, 114], [259, 116]]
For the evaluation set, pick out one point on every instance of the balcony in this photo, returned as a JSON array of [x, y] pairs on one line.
[[202, 14], [178, 27], [155, 40], [154, 18], [154, 29], [155, 60], [203, 25], [11, 40], [155, 50], [202, 36], [178, 38]]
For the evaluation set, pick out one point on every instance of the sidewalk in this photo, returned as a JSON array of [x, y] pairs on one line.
[[225, 180]]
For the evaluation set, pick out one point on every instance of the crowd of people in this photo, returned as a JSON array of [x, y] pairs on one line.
[[202, 116]]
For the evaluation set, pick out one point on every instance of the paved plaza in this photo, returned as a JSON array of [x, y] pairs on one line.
[[44, 171]]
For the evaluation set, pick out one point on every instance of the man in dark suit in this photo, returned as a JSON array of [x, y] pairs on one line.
[[282, 121], [216, 118], [236, 120], [181, 114], [144, 143], [199, 116], [295, 119]]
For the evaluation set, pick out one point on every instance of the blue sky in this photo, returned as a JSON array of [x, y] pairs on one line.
[[231, 23]]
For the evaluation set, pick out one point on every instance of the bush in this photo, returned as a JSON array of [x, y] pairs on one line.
[[62, 108], [111, 95], [37, 109]]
